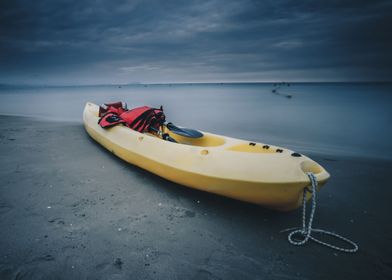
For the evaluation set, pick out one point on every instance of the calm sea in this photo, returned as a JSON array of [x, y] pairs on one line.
[[330, 119]]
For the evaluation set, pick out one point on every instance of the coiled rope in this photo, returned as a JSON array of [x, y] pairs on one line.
[[306, 230]]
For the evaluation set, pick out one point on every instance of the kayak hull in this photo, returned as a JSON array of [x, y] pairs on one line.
[[217, 164]]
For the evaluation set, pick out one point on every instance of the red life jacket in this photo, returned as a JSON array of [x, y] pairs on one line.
[[140, 119], [110, 119], [116, 107]]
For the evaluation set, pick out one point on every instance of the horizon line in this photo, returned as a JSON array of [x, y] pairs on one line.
[[190, 83]]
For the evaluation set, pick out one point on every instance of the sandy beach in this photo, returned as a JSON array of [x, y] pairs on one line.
[[71, 210]]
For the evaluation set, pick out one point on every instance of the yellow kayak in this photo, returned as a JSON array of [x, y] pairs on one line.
[[267, 175]]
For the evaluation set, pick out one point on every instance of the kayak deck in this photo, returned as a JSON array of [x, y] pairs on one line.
[[252, 172]]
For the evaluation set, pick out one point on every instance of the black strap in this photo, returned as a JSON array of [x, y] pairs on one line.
[[147, 121], [142, 116], [143, 121]]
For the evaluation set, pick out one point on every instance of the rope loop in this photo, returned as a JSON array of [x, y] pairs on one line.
[[306, 231]]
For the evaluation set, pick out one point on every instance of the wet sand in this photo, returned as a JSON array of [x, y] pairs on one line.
[[71, 210]]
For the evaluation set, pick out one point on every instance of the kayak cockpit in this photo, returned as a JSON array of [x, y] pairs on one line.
[[207, 140]]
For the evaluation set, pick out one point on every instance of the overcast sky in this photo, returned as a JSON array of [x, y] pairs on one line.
[[98, 41]]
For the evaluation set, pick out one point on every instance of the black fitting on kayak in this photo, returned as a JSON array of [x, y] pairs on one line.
[[266, 147], [166, 136], [295, 155], [252, 144], [279, 150]]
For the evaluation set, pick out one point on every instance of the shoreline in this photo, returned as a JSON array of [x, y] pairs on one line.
[[70, 209], [315, 152]]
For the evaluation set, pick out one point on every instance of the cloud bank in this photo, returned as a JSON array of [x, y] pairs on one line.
[[87, 42]]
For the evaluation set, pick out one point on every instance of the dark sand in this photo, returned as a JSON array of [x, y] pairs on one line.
[[71, 210]]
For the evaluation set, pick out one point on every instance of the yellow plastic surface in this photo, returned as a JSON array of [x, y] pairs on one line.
[[218, 164]]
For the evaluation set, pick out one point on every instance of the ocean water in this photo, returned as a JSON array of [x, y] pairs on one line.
[[342, 119]]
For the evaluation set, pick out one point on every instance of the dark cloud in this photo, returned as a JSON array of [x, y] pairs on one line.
[[178, 41]]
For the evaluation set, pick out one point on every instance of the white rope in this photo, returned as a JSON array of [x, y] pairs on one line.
[[306, 230]]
